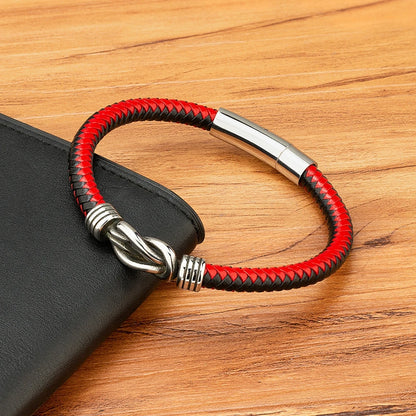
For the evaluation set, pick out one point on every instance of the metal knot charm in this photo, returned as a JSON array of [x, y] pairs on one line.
[[190, 273], [147, 254]]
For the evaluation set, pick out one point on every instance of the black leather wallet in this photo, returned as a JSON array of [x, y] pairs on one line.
[[61, 291]]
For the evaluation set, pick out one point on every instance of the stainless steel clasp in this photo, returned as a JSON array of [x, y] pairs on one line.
[[261, 143]]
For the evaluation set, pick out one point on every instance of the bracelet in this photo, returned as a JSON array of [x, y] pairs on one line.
[[155, 256]]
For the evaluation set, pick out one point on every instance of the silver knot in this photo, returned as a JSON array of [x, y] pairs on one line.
[[191, 273], [147, 254]]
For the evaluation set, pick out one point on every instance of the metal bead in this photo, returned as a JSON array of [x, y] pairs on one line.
[[99, 218], [190, 273]]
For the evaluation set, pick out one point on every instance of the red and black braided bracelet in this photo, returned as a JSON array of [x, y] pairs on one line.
[[155, 256]]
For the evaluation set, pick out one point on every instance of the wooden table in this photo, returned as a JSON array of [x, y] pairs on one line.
[[335, 78]]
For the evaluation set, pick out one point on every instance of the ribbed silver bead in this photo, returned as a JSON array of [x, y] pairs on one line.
[[99, 218], [190, 273]]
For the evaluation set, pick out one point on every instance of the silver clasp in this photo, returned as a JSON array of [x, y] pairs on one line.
[[261, 143]]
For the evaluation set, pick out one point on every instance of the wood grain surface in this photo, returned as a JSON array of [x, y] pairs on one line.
[[336, 78]]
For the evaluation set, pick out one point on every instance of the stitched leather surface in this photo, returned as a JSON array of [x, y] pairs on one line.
[[62, 292]]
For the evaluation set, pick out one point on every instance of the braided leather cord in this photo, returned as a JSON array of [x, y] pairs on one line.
[[300, 274], [88, 196], [81, 173]]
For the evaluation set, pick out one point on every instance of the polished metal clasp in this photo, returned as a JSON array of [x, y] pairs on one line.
[[261, 143]]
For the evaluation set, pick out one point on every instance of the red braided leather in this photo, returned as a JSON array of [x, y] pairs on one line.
[[300, 274], [87, 195], [81, 173]]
